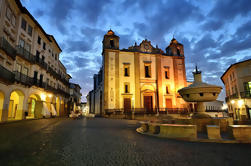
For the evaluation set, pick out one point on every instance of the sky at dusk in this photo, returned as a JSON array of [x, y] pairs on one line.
[[215, 33]]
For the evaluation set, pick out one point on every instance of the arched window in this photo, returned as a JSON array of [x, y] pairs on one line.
[[178, 52], [112, 43]]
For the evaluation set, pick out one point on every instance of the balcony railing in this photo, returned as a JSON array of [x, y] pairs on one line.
[[25, 54], [246, 94], [41, 63], [6, 75], [233, 96], [12, 52], [6, 46], [23, 79]]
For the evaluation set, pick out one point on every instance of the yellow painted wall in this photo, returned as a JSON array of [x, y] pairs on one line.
[[1, 103]]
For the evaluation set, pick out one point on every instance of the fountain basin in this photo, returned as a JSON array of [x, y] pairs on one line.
[[200, 92]]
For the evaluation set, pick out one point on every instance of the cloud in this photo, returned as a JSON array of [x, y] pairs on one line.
[[91, 10], [224, 12], [229, 9], [80, 45], [60, 11], [212, 25]]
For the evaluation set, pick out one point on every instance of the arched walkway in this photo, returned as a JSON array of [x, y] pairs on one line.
[[15, 111], [35, 106], [1, 104]]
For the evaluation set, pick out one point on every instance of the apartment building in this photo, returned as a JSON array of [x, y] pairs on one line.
[[237, 81], [33, 81], [75, 97]]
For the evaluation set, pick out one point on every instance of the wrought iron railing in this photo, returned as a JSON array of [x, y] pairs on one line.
[[23, 79], [7, 47], [6, 75], [246, 94], [25, 54]]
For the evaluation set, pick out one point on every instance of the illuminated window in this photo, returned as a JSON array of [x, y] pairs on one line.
[[147, 70], [23, 24]]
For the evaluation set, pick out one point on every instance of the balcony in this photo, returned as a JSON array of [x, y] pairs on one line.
[[50, 88], [6, 75], [23, 79], [25, 54], [233, 96], [60, 91], [53, 72], [6, 46], [246, 95], [41, 63]]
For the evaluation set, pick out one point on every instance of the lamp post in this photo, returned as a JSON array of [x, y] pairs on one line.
[[233, 109], [240, 104], [133, 109]]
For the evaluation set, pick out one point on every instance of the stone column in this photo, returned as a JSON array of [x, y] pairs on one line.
[[5, 110]]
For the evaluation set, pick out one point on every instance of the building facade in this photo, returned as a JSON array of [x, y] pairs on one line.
[[75, 97], [33, 81], [237, 81], [142, 77]]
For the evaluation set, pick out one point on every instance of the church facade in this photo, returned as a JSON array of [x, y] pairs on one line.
[[140, 78]]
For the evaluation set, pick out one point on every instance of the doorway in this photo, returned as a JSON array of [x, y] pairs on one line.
[[127, 105], [169, 103], [148, 104]]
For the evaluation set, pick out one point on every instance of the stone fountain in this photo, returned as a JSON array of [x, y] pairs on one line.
[[200, 92]]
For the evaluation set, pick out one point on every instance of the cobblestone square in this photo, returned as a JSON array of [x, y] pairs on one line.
[[106, 142]]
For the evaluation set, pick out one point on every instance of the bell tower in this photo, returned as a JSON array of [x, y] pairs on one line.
[[111, 41], [175, 48]]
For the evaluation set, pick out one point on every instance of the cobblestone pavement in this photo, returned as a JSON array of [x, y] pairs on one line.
[[106, 142]]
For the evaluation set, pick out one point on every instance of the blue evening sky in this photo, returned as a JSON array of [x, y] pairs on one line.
[[215, 33]]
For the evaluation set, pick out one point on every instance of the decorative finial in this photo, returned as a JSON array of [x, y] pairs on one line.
[[135, 44], [196, 70], [157, 46]]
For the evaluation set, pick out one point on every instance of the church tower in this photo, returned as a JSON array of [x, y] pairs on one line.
[[175, 48], [111, 41]]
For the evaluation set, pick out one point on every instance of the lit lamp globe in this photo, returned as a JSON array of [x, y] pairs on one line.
[[200, 92]]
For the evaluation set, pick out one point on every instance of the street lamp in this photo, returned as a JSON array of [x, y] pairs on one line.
[[43, 97], [240, 103]]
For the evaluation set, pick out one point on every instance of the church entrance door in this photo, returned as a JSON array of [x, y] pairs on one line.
[[148, 103]]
